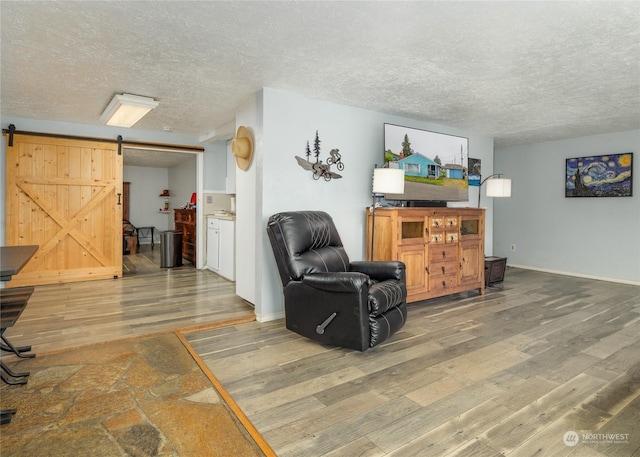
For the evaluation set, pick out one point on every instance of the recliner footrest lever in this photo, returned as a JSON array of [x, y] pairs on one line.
[[320, 328]]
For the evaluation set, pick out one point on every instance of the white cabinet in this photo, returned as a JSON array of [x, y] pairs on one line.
[[221, 236], [227, 249], [213, 243]]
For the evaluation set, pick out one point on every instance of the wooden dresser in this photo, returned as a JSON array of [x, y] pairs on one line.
[[442, 248], [185, 221]]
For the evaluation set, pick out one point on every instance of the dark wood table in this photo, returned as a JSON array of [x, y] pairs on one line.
[[12, 260]]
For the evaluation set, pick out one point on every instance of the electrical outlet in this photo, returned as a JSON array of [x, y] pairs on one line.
[[513, 247], [209, 199]]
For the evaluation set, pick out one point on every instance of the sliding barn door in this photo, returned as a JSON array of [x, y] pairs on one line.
[[64, 195]]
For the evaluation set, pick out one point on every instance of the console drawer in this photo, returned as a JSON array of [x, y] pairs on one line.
[[442, 283], [443, 253]]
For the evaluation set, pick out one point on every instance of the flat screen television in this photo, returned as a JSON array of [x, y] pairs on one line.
[[434, 164]]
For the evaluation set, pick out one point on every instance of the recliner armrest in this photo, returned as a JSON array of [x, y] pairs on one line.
[[344, 282], [379, 270]]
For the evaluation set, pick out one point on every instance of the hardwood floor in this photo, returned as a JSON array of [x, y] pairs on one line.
[[147, 299], [508, 373], [512, 372]]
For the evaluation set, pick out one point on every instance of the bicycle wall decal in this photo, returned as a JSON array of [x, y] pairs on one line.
[[319, 169]]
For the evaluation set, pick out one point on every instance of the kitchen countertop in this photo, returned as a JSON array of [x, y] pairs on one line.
[[224, 216]]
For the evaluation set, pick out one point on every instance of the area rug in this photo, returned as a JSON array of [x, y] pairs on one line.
[[139, 397]]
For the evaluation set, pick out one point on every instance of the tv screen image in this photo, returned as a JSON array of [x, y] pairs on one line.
[[434, 164]]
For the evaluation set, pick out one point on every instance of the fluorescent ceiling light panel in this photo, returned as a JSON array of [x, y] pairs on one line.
[[126, 110]]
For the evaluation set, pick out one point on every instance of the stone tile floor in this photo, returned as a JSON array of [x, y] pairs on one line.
[[139, 397]]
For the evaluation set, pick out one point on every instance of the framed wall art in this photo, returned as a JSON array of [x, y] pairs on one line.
[[474, 172], [607, 175]]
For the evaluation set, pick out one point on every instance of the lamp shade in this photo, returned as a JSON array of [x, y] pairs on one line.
[[388, 181], [499, 187], [126, 110]]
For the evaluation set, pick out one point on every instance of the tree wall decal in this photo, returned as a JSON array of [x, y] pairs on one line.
[[319, 169]]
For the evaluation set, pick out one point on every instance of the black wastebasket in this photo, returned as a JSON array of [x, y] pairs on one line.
[[170, 249]]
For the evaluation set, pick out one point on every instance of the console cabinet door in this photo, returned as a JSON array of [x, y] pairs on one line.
[[471, 262], [412, 230], [415, 258], [385, 232]]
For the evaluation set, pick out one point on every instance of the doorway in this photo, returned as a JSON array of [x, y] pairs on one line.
[[161, 181]]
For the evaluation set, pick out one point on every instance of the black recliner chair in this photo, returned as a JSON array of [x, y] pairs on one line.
[[355, 305]]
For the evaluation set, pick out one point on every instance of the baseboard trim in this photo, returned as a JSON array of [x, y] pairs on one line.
[[577, 275], [270, 317]]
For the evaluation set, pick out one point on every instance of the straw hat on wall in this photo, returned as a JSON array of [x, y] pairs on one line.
[[242, 148]]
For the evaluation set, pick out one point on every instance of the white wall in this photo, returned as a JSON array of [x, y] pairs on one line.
[[146, 184], [282, 124], [591, 237], [274, 182], [182, 183], [248, 211], [215, 166]]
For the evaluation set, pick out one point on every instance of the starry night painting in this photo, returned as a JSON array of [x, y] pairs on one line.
[[599, 176]]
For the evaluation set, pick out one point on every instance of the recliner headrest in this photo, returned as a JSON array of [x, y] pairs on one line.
[[306, 242], [306, 230]]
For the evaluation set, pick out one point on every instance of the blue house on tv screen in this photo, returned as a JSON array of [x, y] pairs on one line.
[[454, 171], [418, 165]]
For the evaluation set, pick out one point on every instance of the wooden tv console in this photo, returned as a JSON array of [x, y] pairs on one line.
[[442, 248]]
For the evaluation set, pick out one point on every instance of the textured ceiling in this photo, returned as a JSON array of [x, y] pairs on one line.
[[520, 71], [155, 158]]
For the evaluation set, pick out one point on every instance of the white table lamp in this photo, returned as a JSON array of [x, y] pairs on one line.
[[385, 181]]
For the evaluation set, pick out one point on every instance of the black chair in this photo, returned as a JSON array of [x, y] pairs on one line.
[[327, 298]]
